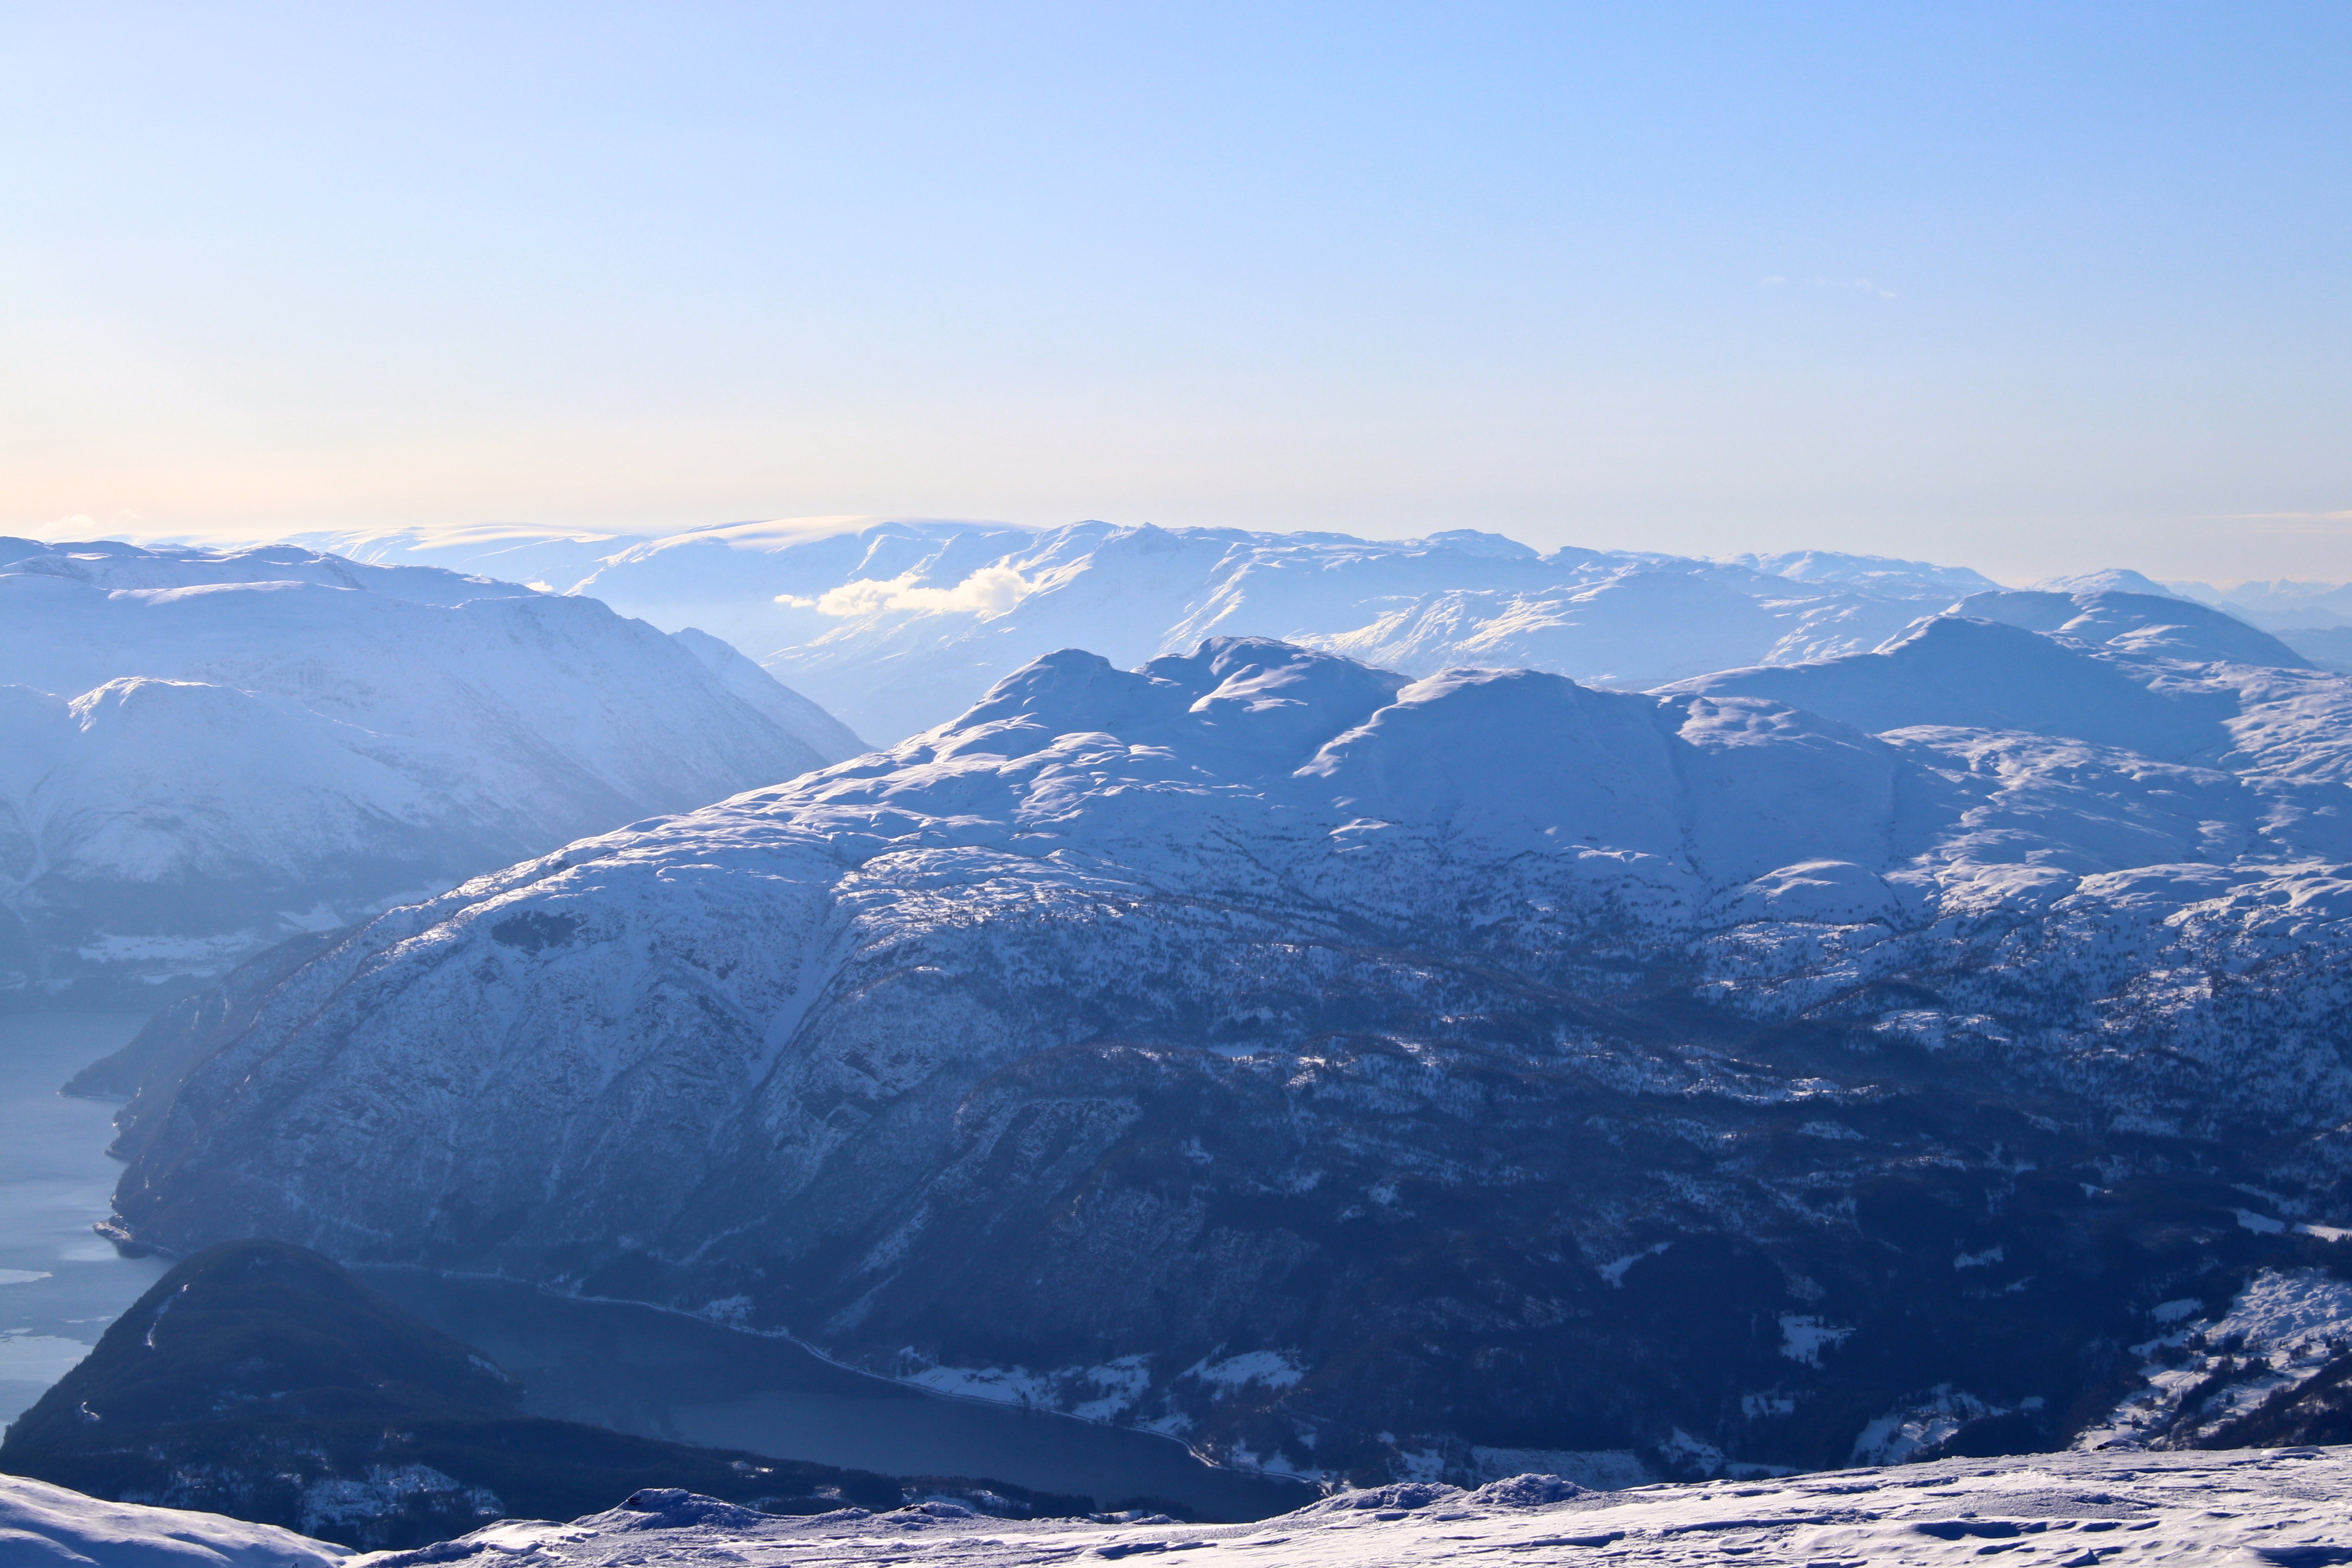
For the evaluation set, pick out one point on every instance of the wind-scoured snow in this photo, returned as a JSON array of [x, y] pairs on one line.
[[204, 751], [2271, 1508], [42, 1526], [2256, 1509]]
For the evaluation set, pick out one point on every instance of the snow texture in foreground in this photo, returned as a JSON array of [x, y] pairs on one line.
[[2278, 1506], [42, 1526]]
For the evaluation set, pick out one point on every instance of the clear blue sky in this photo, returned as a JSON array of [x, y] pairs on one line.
[[2033, 286]]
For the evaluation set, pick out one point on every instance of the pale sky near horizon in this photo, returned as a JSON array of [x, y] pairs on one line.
[[2031, 287]]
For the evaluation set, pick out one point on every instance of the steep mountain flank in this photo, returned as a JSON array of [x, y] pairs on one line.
[[1368, 1077], [205, 752]]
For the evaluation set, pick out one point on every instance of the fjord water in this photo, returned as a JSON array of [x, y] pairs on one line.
[[667, 1375], [611, 1364], [60, 1285]]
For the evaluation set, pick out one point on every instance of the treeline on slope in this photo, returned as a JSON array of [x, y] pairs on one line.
[[261, 1380]]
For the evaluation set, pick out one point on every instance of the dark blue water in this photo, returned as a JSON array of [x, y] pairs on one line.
[[670, 1376], [628, 1367], [59, 1284]]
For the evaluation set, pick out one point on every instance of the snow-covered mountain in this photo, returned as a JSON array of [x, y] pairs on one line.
[[202, 752], [2154, 625], [892, 624], [1362, 1075], [2313, 618], [2092, 666], [2278, 606]]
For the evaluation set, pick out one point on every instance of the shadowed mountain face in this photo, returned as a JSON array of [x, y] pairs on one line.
[[1373, 1078], [205, 752], [260, 1325], [261, 1381]]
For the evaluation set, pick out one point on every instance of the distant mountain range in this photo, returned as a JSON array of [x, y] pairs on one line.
[[205, 752], [1366, 1075], [893, 624]]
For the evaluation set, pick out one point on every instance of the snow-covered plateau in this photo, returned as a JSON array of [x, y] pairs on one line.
[[205, 752], [1373, 1078]]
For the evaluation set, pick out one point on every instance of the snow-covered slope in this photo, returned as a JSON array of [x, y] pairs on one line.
[[1365, 1076], [42, 1526], [201, 752], [2144, 624], [1954, 670], [2313, 618], [892, 624], [2278, 606], [794, 714], [2275, 1508], [2266, 1509], [2091, 670]]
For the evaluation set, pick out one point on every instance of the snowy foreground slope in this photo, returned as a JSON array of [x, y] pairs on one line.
[[892, 624], [42, 1526], [2249, 1509], [1368, 1078], [2260, 1509], [202, 752]]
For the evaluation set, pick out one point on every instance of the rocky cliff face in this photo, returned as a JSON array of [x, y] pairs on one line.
[[1362, 1077]]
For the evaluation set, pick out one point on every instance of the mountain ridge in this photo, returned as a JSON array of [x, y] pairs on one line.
[[1352, 1073], [889, 621], [202, 752]]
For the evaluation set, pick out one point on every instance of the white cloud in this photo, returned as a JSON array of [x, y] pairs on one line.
[[991, 591]]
